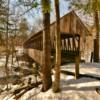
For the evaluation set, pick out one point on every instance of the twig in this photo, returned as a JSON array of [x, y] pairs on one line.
[[18, 93]]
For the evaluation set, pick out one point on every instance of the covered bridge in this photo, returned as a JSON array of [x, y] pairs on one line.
[[73, 33]]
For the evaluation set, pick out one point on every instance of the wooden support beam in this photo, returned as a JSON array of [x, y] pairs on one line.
[[69, 44], [77, 61], [65, 46], [74, 44]]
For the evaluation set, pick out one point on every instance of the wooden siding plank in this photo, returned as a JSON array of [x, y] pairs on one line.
[[36, 55]]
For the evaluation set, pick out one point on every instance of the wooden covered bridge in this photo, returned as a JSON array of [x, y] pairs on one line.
[[73, 33]]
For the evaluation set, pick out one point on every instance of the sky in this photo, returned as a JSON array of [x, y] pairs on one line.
[[35, 14], [38, 13]]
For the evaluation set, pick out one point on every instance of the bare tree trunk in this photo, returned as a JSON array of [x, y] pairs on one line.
[[46, 67], [6, 64], [7, 44], [12, 49], [56, 85], [7, 41]]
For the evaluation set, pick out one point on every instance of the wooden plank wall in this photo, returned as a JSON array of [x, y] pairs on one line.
[[36, 55], [69, 24]]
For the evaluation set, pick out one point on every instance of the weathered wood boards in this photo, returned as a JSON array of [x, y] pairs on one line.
[[73, 32], [69, 24]]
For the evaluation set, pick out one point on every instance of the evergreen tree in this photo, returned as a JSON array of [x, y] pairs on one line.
[[91, 7]]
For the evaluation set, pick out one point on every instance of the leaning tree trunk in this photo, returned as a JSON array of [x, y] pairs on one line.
[[56, 85], [46, 67], [96, 42]]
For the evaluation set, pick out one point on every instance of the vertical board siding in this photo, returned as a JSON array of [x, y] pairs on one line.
[[69, 24]]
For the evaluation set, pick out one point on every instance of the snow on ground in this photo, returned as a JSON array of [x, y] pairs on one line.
[[71, 89]]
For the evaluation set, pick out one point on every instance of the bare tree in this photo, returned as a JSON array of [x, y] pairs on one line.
[[23, 28], [56, 86]]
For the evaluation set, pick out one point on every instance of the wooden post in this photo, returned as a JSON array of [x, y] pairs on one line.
[[96, 52], [92, 56], [77, 61]]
